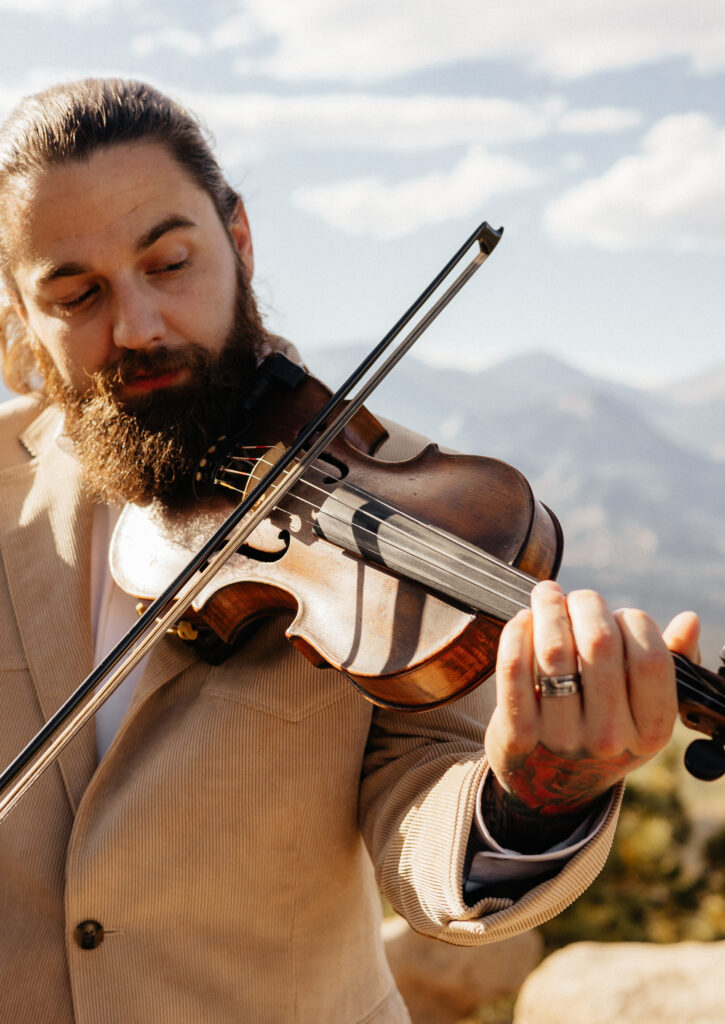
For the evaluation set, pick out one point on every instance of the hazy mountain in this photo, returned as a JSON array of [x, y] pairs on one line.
[[643, 512], [702, 388], [438, 396], [693, 411]]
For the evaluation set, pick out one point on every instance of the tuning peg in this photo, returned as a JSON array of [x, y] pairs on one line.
[[705, 759], [721, 670]]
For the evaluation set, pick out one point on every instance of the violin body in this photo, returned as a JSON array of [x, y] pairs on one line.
[[410, 604]]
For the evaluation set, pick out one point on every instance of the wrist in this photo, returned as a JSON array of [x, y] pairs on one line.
[[528, 830]]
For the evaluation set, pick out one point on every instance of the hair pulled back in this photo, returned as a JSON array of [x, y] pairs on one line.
[[71, 121]]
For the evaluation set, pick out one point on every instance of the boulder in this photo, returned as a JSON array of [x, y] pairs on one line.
[[626, 982], [441, 983]]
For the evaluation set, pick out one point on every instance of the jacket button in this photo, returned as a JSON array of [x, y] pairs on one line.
[[89, 934]]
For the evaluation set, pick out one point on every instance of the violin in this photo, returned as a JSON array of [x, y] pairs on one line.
[[400, 575]]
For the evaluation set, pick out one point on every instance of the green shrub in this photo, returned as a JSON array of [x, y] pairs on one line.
[[664, 880]]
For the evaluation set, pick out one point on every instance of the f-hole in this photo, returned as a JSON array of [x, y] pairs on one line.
[[267, 556], [338, 467]]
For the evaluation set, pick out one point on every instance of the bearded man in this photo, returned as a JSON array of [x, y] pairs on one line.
[[208, 850]]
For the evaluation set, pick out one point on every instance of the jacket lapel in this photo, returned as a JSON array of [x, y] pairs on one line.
[[45, 536], [45, 539]]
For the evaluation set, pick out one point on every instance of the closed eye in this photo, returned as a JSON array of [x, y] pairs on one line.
[[171, 267], [73, 303]]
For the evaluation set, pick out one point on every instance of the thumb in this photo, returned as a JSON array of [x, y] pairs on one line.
[[682, 635]]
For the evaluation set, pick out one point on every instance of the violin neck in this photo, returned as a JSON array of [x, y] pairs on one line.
[[701, 696], [362, 524]]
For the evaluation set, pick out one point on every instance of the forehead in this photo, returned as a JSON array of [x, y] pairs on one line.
[[86, 208]]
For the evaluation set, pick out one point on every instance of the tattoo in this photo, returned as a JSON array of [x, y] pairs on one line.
[[551, 784], [518, 827], [543, 797]]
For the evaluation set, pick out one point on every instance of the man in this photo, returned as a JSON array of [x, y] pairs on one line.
[[206, 852]]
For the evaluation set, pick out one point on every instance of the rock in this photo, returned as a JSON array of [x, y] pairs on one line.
[[626, 983], [441, 983]]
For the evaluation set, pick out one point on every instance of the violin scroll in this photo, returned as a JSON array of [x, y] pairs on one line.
[[701, 696]]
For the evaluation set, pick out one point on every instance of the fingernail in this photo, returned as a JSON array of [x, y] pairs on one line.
[[551, 584]]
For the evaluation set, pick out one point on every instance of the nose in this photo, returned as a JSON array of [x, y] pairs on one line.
[[137, 318]]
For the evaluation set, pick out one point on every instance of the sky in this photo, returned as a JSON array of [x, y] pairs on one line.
[[369, 138]]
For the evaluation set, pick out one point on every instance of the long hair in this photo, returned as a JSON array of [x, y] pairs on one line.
[[71, 122]]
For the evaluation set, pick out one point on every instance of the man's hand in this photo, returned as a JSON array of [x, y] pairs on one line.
[[553, 756]]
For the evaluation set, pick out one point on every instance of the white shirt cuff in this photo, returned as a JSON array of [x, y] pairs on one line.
[[495, 863]]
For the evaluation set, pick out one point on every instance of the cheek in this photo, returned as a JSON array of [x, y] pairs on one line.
[[73, 357], [210, 313]]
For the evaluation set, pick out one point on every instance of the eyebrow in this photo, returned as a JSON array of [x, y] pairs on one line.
[[172, 223], [73, 269]]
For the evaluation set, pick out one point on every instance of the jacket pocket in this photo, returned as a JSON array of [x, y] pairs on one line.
[[269, 674]]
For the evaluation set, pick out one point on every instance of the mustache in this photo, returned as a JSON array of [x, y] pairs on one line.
[[109, 380]]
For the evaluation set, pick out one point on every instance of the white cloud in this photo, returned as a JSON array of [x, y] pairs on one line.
[[72, 9], [373, 40], [671, 193], [191, 44], [239, 30], [598, 120], [247, 125], [360, 121], [572, 162], [253, 123], [369, 206]]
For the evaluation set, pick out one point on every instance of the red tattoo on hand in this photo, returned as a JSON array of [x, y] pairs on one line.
[[551, 784]]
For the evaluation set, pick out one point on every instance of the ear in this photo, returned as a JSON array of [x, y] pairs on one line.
[[242, 237]]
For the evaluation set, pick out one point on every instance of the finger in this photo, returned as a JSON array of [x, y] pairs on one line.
[[553, 642], [651, 680], [601, 661], [683, 635], [555, 654], [515, 695]]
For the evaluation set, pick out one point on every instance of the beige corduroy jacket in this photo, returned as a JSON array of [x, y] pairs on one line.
[[230, 841]]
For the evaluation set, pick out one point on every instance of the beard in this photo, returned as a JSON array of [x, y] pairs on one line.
[[147, 447]]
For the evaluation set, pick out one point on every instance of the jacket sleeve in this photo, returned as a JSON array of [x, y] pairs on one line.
[[420, 783], [421, 778]]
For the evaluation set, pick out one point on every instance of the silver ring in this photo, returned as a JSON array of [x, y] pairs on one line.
[[559, 686]]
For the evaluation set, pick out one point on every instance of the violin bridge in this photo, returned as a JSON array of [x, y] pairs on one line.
[[263, 466]]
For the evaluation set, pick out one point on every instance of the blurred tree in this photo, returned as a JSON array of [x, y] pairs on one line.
[[664, 880]]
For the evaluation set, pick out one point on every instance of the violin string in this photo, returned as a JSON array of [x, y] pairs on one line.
[[476, 580], [485, 556], [687, 673], [432, 530], [694, 691], [512, 571], [689, 676]]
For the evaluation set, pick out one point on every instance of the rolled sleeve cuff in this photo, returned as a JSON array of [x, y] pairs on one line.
[[493, 863]]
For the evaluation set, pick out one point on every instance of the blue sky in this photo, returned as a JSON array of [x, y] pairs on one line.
[[370, 137]]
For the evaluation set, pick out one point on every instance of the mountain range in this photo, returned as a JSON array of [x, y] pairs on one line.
[[636, 477]]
